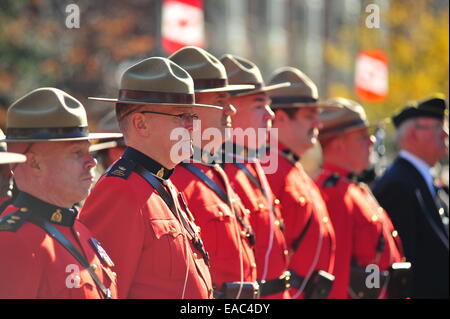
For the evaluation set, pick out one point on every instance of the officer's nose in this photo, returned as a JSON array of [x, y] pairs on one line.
[[91, 162]]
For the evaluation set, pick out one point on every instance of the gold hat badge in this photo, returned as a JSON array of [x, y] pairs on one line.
[[56, 216]]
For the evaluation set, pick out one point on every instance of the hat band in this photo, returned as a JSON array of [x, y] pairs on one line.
[[46, 133], [293, 99], [155, 97], [200, 84], [342, 127]]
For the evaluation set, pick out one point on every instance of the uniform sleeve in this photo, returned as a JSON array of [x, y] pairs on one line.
[[113, 214], [20, 271], [401, 210]]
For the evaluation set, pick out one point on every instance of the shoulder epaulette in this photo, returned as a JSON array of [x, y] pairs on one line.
[[13, 221], [122, 168], [332, 180]]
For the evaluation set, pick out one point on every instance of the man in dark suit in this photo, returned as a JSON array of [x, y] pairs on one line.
[[418, 207]]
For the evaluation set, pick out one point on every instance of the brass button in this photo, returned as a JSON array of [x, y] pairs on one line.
[[380, 209], [374, 218], [24, 209], [253, 265], [94, 267], [220, 214], [173, 230], [244, 233], [261, 206], [441, 211], [302, 200], [247, 211], [276, 201], [394, 233], [325, 219], [277, 223], [195, 255], [114, 274], [286, 252], [78, 234]]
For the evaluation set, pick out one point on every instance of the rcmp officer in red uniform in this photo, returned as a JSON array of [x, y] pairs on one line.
[[145, 223], [247, 176], [46, 252], [364, 232], [309, 231], [205, 186]]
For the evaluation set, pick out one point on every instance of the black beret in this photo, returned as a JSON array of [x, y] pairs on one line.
[[432, 107]]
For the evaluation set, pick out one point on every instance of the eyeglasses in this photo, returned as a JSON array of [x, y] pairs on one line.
[[185, 117]]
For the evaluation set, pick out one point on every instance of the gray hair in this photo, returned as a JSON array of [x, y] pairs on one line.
[[403, 129]]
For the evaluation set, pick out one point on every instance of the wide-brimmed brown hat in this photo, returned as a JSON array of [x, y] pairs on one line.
[[206, 70], [156, 81], [108, 123], [8, 157], [243, 71], [349, 116], [49, 115], [301, 93]]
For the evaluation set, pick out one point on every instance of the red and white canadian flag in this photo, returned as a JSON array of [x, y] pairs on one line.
[[371, 76], [182, 24]]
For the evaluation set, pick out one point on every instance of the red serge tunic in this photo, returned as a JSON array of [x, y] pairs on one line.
[[359, 223], [301, 205], [265, 217], [223, 236], [153, 251], [33, 265]]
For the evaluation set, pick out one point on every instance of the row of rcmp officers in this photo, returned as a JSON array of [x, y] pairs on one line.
[[233, 231]]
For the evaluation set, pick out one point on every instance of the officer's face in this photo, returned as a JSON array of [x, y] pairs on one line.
[[66, 169], [304, 128], [213, 120], [431, 139], [170, 137], [356, 148], [253, 112]]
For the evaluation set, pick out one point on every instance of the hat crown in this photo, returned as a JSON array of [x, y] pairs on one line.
[[46, 108], [350, 115], [301, 84], [157, 74], [199, 63], [241, 71]]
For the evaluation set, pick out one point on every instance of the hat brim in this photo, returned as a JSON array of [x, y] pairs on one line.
[[264, 89], [102, 146], [319, 104], [8, 158], [226, 88], [109, 100], [91, 136]]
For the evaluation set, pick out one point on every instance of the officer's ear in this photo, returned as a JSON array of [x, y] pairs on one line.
[[139, 124]]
